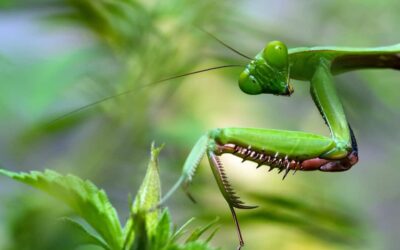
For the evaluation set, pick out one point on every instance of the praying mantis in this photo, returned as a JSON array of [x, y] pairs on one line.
[[270, 72]]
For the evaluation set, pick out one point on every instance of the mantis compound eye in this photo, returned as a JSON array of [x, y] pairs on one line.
[[276, 54], [249, 84]]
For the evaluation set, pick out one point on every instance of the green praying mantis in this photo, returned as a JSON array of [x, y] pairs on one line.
[[270, 72]]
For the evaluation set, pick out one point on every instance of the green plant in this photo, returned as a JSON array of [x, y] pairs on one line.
[[98, 222]]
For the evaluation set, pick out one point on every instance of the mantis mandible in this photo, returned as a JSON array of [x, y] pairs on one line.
[[270, 72]]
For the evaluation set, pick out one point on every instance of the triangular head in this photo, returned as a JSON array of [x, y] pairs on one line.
[[268, 72]]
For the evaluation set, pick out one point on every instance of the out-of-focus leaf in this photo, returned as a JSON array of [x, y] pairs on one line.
[[198, 232], [83, 197], [212, 234], [178, 233], [86, 236]]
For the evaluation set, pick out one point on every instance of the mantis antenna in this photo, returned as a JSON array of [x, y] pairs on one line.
[[140, 88], [224, 44]]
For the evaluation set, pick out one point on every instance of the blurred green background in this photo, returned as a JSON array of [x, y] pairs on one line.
[[58, 55]]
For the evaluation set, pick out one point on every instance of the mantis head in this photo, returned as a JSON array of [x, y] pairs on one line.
[[268, 73]]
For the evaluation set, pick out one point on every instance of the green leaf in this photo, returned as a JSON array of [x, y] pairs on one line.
[[198, 232], [83, 197], [87, 237]]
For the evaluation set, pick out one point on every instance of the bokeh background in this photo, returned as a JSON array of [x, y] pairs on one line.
[[58, 55]]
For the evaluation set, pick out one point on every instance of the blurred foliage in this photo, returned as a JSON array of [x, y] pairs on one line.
[[99, 224], [33, 223], [58, 55], [332, 224], [130, 46]]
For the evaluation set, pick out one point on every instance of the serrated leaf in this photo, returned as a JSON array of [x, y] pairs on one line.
[[198, 232], [83, 197], [86, 237]]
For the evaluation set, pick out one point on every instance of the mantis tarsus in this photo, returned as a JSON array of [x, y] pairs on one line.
[[269, 73]]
